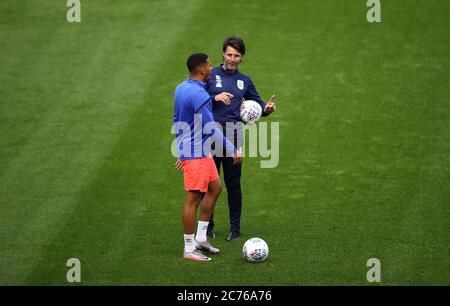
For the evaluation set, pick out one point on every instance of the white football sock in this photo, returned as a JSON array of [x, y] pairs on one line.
[[201, 231], [189, 245]]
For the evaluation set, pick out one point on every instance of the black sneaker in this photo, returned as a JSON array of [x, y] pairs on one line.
[[210, 234], [233, 236]]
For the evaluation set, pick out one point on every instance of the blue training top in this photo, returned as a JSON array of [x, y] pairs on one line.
[[194, 123]]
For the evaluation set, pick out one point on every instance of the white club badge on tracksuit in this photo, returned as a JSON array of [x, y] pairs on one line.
[[240, 84], [218, 81]]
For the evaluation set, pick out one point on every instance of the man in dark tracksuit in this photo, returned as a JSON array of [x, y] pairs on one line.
[[228, 88]]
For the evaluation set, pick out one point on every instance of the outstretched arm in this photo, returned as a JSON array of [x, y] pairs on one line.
[[224, 97], [252, 94], [270, 106]]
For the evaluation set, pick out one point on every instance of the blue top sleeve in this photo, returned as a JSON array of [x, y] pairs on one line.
[[203, 106]]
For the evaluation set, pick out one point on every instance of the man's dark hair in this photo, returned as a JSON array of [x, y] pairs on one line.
[[195, 60], [234, 42]]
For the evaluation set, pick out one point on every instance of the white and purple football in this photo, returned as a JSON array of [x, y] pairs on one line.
[[251, 111]]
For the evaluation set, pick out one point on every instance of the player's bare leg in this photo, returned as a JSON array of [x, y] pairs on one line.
[[207, 205], [189, 214], [208, 202], [189, 217]]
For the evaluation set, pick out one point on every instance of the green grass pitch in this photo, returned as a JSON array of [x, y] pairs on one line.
[[364, 112]]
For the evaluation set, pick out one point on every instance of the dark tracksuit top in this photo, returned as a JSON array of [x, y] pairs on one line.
[[242, 88]]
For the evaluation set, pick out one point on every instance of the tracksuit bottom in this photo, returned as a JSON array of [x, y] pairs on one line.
[[232, 177]]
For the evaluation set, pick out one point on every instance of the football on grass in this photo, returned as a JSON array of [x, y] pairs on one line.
[[255, 250]]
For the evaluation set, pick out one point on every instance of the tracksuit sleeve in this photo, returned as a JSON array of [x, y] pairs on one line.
[[252, 94], [212, 96]]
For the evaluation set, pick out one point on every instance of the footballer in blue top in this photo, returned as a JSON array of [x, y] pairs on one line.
[[228, 87], [194, 122], [194, 125]]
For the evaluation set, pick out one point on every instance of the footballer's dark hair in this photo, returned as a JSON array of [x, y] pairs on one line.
[[195, 60], [234, 42]]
